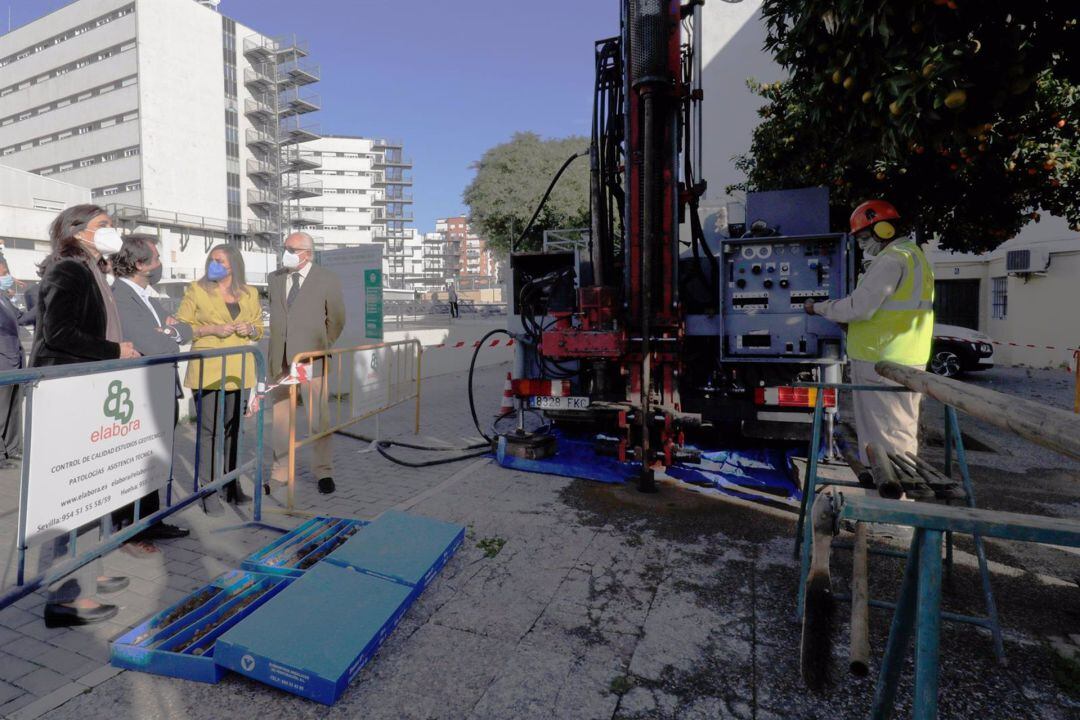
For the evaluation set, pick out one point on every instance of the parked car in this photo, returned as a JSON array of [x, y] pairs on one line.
[[957, 350]]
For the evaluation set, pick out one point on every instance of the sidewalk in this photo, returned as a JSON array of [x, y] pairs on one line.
[[567, 600]]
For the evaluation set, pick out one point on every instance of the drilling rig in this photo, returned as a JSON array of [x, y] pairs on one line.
[[654, 329]]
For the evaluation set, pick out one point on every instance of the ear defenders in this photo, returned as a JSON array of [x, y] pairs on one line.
[[884, 230]]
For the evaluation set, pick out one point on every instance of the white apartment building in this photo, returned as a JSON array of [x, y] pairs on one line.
[[366, 197], [179, 120]]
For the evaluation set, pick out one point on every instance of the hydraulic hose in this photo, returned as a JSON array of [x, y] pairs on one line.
[[472, 369], [543, 200]]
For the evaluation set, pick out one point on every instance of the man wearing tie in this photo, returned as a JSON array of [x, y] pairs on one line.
[[152, 331], [307, 313], [11, 358]]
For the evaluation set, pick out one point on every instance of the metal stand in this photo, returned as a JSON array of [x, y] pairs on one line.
[[953, 443]]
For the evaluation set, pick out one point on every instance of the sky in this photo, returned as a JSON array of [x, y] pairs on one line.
[[449, 79]]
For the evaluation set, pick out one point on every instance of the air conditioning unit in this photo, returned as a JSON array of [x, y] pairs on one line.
[[1028, 261]]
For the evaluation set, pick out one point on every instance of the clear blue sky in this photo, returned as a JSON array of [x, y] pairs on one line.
[[450, 79]]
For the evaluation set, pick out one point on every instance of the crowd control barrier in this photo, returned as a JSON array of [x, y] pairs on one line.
[[355, 383], [97, 437]]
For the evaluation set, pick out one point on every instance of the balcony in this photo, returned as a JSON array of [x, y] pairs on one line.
[[259, 109], [306, 216], [292, 132], [290, 46], [296, 72], [293, 102], [399, 196], [260, 138], [260, 78], [295, 162], [261, 169], [382, 161], [262, 198], [309, 189], [262, 228], [259, 48], [382, 144], [387, 179]]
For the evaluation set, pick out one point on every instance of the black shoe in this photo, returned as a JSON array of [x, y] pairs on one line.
[[163, 531], [236, 495], [58, 615], [112, 584], [266, 490], [326, 485], [211, 505]]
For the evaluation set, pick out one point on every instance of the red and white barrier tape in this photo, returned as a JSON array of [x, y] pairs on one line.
[[1008, 344], [460, 344], [299, 374]]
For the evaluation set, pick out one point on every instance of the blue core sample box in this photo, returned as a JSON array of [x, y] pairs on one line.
[[179, 641]]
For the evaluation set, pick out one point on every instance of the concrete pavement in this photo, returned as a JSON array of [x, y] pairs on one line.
[[568, 600]]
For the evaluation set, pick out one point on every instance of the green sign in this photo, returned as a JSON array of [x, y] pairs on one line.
[[373, 304]]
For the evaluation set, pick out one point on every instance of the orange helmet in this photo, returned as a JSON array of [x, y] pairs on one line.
[[871, 212]]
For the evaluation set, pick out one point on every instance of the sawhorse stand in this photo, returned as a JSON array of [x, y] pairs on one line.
[[918, 610], [953, 444]]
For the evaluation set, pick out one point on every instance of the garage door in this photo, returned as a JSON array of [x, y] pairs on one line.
[[956, 302]]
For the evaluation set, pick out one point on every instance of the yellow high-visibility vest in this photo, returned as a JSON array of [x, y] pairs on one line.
[[902, 329]]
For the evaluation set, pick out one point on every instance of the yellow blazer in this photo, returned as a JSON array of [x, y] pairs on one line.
[[202, 307]]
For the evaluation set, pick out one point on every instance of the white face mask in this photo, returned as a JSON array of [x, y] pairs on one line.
[[290, 260], [870, 246], [108, 240]]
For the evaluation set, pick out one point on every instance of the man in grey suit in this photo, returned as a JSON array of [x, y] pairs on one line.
[[11, 358], [152, 331], [307, 313]]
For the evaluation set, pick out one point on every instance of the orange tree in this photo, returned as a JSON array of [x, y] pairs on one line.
[[963, 113]]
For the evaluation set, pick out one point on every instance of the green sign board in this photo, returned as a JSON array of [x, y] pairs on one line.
[[373, 304]]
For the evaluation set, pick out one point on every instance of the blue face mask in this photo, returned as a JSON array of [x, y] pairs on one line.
[[216, 271], [6, 282]]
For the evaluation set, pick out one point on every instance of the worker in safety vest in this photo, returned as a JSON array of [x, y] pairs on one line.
[[889, 316]]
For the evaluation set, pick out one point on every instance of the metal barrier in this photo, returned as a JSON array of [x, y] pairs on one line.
[[29, 378], [368, 380]]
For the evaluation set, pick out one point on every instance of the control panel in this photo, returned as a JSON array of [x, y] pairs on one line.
[[765, 283]]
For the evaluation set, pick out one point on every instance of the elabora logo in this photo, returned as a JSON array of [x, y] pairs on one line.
[[118, 405], [248, 663]]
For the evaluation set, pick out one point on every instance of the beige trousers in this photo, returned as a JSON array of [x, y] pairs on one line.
[[890, 419], [316, 403]]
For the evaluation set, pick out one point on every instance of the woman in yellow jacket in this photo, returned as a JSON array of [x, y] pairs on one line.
[[223, 311]]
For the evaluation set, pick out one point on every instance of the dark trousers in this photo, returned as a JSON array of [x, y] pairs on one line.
[[453, 310], [11, 419], [206, 407]]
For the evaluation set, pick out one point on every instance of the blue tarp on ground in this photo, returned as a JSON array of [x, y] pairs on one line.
[[755, 474]]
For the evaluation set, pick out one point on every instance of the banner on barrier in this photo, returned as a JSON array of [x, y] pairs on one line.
[[95, 444]]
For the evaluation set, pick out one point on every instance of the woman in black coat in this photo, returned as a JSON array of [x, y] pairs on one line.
[[77, 322]]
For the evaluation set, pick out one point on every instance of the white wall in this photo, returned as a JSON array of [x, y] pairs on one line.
[[182, 107], [732, 39], [1041, 309], [24, 198]]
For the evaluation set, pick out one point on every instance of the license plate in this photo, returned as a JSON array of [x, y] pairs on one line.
[[561, 402]]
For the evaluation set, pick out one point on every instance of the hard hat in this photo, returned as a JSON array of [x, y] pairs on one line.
[[870, 213]]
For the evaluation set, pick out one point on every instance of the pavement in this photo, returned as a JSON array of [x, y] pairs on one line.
[[568, 600]]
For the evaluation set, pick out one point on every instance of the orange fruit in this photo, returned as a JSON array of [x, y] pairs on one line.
[[894, 108], [956, 99], [867, 96]]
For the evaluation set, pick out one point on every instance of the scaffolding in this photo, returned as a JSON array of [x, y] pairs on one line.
[[277, 77]]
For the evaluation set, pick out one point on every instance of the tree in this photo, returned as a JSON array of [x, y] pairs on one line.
[[510, 181], [963, 113]]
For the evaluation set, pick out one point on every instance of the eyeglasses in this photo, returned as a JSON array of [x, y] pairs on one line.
[[295, 250]]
